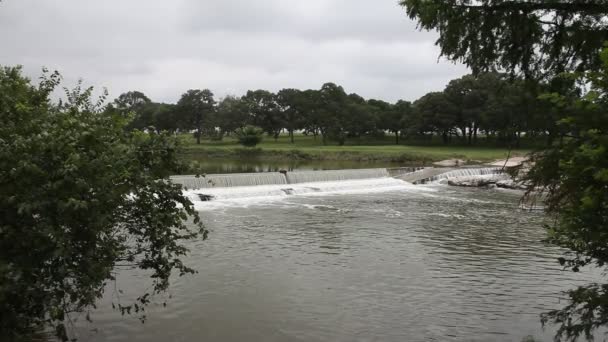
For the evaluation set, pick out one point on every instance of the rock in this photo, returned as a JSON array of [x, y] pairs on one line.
[[450, 163], [511, 184], [477, 181], [511, 162], [491, 182], [471, 182], [205, 198]]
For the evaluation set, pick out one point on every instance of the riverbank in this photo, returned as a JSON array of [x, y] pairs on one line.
[[306, 148]]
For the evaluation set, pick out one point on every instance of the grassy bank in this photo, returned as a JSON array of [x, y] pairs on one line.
[[307, 148]]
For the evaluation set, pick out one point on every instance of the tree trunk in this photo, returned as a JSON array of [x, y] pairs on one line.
[[291, 135], [518, 141], [475, 129], [396, 137]]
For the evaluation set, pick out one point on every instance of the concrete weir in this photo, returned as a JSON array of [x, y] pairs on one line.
[[409, 174], [284, 177]]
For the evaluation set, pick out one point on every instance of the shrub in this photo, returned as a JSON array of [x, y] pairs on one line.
[[250, 136]]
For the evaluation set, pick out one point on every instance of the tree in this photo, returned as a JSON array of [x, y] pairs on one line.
[[541, 40], [437, 113], [80, 197], [232, 114], [291, 104], [165, 118], [263, 109], [575, 176], [332, 112], [390, 117], [131, 101], [358, 117], [196, 105], [138, 107], [311, 111], [537, 38]]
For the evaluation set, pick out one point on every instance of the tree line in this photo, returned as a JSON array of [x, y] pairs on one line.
[[489, 106]]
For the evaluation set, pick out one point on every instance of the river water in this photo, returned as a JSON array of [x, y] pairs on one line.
[[246, 165], [374, 260]]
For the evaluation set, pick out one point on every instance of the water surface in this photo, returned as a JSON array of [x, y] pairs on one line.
[[246, 165], [386, 262]]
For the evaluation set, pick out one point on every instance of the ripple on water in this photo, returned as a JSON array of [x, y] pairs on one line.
[[441, 265]]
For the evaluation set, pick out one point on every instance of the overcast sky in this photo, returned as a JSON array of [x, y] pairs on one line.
[[164, 47]]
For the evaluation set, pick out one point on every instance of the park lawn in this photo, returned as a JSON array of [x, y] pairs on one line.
[[306, 147]]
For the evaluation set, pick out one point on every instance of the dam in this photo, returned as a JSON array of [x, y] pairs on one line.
[[414, 175]]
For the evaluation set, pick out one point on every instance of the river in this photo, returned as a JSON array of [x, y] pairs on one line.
[[386, 261], [245, 165]]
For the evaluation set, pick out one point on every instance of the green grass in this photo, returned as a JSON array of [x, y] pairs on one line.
[[306, 147]]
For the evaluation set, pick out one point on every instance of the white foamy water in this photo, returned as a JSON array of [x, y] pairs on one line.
[[470, 173], [251, 195]]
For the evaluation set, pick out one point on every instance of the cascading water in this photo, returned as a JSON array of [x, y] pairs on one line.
[[251, 195], [230, 180], [249, 187], [296, 177], [468, 172], [334, 175]]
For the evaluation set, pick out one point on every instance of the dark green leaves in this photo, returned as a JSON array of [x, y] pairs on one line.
[[80, 195]]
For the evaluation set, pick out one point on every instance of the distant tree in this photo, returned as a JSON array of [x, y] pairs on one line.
[[388, 117], [264, 111], [166, 118], [80, 198], [438, 113], [332, 109], [131, 100], [250, 136], [232, 114], [137, 106], [395, 120], [291, 104], [312, 114], [195, 105], [358, 118]]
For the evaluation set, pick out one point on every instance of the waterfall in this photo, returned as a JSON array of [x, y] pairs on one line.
[[334, 175], [402, 171], [272, 178], [251, 195], [230, 180], [468, 172]]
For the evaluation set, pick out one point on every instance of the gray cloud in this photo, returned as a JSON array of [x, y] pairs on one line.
[[166, 47]]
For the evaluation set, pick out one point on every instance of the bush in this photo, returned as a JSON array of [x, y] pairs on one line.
[[250, 136], [80, 198]]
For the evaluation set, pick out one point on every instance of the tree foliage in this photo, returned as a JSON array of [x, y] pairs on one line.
[[575, 176], [80, 196], [535, 37], [194, 107], [555, 45], [495, 105]]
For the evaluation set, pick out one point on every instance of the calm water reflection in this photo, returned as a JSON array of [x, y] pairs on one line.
[[442, 265], [217, 165]]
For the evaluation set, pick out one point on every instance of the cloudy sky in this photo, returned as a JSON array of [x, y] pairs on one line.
[[164, 47]]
